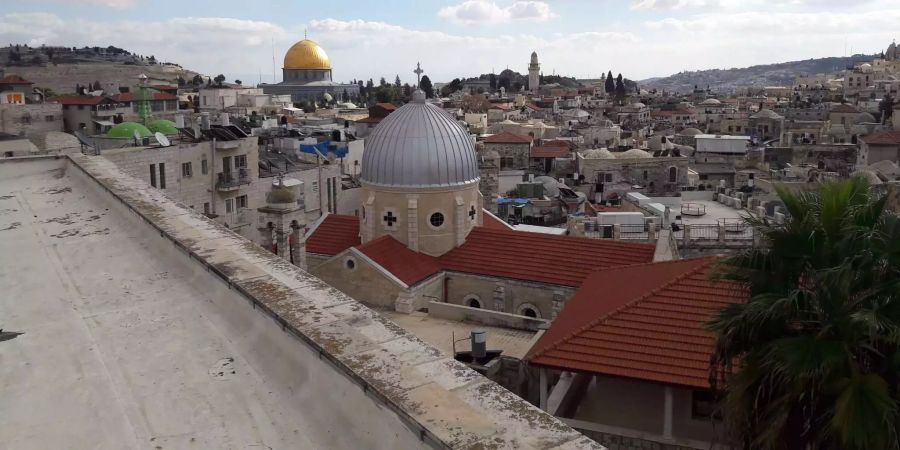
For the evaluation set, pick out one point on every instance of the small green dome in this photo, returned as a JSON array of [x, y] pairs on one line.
[[127, 129], [163, 126]]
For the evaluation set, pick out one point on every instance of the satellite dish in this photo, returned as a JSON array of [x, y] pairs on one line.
[[162, 139], [328, 97]]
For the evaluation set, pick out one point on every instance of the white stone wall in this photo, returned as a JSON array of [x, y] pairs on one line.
[[31, 119]]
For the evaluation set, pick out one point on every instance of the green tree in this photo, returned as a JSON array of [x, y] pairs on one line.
[[426, 86], [451, 87], [610, 85], [492, 79], [219, 79], [238, 82], [619, 90], [397, 81], [197, 80], [382, 82], [811, 360]]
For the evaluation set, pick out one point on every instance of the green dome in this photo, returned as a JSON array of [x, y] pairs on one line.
[[163, 126], [127, 129]]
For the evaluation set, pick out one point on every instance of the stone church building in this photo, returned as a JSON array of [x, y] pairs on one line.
[[423, 234]]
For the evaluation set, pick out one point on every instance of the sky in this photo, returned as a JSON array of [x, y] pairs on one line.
[[459, 38]]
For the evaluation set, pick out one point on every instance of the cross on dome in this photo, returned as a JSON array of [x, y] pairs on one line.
[[418, 73]]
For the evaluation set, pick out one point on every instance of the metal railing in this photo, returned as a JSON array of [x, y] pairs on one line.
[[233, 179]]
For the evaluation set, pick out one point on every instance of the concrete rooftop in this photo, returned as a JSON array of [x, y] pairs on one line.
[[120, 348], [148, 326]]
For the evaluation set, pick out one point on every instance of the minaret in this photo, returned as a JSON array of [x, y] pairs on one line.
[[534, 73]]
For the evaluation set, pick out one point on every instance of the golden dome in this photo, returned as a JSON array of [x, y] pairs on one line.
[[306, 54]]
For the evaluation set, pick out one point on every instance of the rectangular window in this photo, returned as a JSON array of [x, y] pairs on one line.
[[240, 161], [241, 201], [705, 405], [204, 167], [328, 192], [162, 175], [315, 186], [186, 170], [153, 175], [49, 118], [229, 205]]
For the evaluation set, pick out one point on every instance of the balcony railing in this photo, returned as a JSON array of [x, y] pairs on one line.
[[229, 181]]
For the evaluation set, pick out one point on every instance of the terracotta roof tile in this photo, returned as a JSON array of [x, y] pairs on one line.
[[14, 80], [883, 138], [507, 138], [495, 223], [645, 322], [77, 99], [844, 108], [550, 151], [335, 234], [562, 260], [407, 265]]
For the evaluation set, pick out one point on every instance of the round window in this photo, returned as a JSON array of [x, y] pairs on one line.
[[437, 219], [351, 264]]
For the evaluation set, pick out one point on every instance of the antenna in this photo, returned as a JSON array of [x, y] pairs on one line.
[[162, 139], [273, 60]]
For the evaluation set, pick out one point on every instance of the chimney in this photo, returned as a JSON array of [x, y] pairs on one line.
[[479, 344]]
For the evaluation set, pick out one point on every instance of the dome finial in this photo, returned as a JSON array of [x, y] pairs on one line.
[[418, 73], [418, 96]]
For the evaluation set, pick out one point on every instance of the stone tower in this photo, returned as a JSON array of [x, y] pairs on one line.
[[534, 73], [282, 223]]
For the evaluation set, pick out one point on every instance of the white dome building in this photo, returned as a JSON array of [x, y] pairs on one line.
[[633, 153], [420, 180]]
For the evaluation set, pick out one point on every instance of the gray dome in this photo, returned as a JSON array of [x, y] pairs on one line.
[[690, 132], [419, 145]]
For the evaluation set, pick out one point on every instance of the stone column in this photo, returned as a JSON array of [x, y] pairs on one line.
[[298, 245], [281, 237], [500, 298], [412, 222], [461, 218], [556, 305]]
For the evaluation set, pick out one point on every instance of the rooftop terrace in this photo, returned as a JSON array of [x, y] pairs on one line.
[[147, 325]]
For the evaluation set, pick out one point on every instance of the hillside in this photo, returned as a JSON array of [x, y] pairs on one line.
[[781, 74], [61, 68]]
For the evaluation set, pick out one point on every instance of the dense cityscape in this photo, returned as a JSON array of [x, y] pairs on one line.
[[517, 259]]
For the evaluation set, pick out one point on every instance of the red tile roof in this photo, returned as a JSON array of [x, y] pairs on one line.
[[387, 106], [129, 96], [370, 119], [507, 138], [14, 80], [407, 265], [495, 223], [550, 151], [562, 260], [334, 234], [883, 138], [77, 99], [533, 107], [645, 322], [844, 108]]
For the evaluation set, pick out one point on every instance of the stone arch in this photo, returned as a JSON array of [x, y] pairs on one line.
[[529, 310], [473, 301]]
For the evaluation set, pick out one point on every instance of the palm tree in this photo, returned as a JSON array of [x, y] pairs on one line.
[[811, 360]]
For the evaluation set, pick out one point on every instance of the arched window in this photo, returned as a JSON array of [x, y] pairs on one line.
[[473, 303], [529, 312], [673, 174]]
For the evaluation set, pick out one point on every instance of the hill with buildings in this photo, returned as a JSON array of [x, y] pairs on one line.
[[727, 80], [61, 68]]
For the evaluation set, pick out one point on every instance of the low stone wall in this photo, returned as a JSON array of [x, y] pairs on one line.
[[367, 381], [461, 313]]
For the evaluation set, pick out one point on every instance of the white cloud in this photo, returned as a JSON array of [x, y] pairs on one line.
[[118, 4], [471, 12]]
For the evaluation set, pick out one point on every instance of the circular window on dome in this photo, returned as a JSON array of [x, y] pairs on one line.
[[436, 220]]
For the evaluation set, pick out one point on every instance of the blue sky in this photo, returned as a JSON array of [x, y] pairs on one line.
[[640, 38]]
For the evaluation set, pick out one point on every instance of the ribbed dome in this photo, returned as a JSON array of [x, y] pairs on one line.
[[419, 145], [306, 54]]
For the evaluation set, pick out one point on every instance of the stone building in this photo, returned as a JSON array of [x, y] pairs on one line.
[[423, 234], [514, 149], [613, 174], [534, 73], [27, 119]]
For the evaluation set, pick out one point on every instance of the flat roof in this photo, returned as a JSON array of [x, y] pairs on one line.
[[118, 350], [145, 323], [721, 136]]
